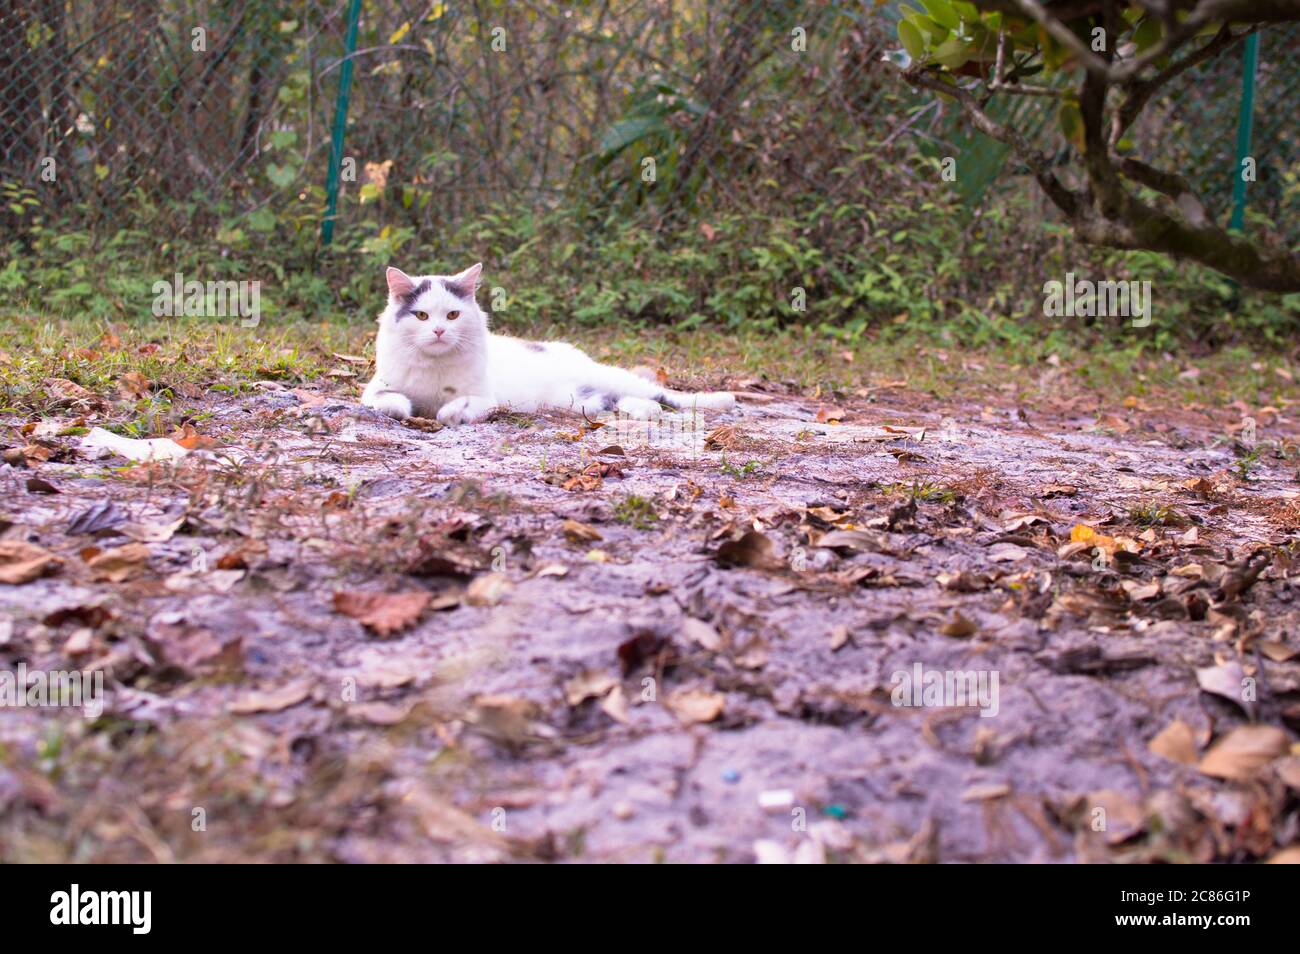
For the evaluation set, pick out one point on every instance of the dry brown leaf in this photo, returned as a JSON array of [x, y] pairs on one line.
[[487, 590], [23, 562], [186, 436], [693, 706], [120, 563], [133, 384], [273, 700], [1176, 742], [382, 613], [1244, 751], [1124, 816], [986, 792], [698, 631], [839, 638], [580, 532], [588, 684], [959, 626], [752, 550], [614, 705], [1226, 681]]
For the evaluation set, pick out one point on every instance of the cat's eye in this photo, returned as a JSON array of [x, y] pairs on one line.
[[422, 315], [453, 315]]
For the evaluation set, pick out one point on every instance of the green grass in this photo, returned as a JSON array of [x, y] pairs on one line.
[[636, 511], [181, 359]]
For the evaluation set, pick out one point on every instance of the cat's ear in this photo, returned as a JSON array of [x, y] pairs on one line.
[[399, 283], [464, 284]]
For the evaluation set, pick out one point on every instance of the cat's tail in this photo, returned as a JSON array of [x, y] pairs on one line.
[[701, 400], [632, 384]]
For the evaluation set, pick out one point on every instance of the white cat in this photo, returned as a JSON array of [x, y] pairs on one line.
[[434, 356]]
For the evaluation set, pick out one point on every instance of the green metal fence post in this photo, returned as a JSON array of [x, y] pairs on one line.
[[340, 124], [1244, 124]]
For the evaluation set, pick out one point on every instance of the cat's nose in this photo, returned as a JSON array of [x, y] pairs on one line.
[[439, 331]]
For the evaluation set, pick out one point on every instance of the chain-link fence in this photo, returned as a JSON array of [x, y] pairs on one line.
[[98, 99], [229, 103]]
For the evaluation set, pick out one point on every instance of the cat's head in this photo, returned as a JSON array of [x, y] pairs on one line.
[[436, 314]]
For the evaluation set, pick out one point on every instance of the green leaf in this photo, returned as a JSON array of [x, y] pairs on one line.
[[953, 53], [261, 220], [1147, 34], [910, 37], [938, 32], [281, 176], [283, 138], [942, 12], [1071, 120]]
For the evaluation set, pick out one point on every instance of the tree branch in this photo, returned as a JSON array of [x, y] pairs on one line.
[[1038, 164]]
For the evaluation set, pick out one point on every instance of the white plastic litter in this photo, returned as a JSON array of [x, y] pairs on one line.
[[99, 441]]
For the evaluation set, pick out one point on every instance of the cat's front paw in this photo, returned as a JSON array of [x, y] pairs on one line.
[[390, 403], [469, 409]]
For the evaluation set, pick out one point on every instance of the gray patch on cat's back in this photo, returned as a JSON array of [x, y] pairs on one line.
[[411, 297], [585, 390], [609, 402], [534, 346]]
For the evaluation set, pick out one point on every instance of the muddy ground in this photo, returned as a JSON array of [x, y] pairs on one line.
[[338, 637]]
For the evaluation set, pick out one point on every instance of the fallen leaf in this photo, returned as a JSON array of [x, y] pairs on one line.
[[27, 456], [1245, 750], [1124, 816], [694, 706], [274, 700], [190, 439], [958, 626], [133, 384], [754, 549], [154, 531], [698, 631], [839, 638], [1007, 553], [487, 590], [1059, 490], [380, 713], [1176, 742], [194, 649], [588, 684], [1227, 681], [383, 613], [614, 705], [23, 562], [580, 532], [39, 485], [860, 540], [120, 563], [986, 792], [101, 516]]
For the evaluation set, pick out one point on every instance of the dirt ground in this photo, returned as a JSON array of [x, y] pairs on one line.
[[339, 637]]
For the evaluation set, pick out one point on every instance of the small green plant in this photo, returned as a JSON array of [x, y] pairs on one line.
[[1246, 460], [1153, 515], [923, 492], [747, 470], [636, 511]]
